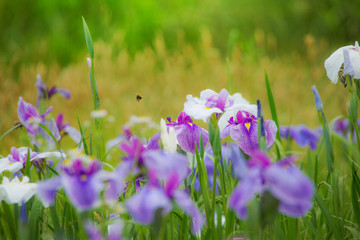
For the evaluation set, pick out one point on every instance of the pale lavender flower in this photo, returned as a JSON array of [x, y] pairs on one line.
[[244, 131], [164, 163], [73, 133], [116, 141], [188, 133], [302, 135], [282, 179], [343, 127], [45, 93], [82, 181], [157, 197], [31, 120], [18, 157], [349, 56], [115, 180]]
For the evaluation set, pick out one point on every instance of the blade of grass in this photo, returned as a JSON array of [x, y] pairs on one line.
[[10, 130], [83, 138], [34, 219], [332, 223], [272, 106]]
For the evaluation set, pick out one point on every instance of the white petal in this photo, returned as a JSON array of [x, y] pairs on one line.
[[168, 139], [73, 133], [16, 191], [6, 165], [238, 99], [196, 109], [55, 154], [333, 63], [355, 61], [207, 93]]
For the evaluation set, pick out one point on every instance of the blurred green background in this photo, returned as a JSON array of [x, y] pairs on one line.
[[51, 31], [167, 49]]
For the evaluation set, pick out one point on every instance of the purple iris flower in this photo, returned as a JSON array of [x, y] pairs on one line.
[[302, 135], [45, 93], [82, 184], [342, 127], [244, 131], [134, 150], [67, 129], [116, 183], [155, 196], [18, 157], [188, 133], [30, 119], [282, 179], [164, 163]]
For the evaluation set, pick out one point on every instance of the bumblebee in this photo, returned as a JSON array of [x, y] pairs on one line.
[[138, 97], [341, 78]]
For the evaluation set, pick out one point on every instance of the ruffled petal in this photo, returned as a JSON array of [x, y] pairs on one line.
[[244, 192], [333, 63]]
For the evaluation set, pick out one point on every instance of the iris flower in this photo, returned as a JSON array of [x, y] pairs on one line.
[[73, 133], [45, 93], [82, 180], [244, 131], [155, 196], [188, 133], [302, 135], [282, 179], [31, 120], [16, 191], [18, 157], [344, 61], [211, 102]]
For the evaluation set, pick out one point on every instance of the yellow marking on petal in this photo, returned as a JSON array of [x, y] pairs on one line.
[[83, 177], [190, 124], [207, 108], [247, 125]]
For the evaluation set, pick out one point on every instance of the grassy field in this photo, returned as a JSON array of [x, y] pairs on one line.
[[164, 79]]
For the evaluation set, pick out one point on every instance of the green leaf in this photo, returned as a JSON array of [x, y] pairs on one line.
[[10, 130], [354, 232], [47, 130], [328, 146], [272, 106], [201, 146], [88, 39], [203, 180], [333, 224], [268, 208], [9, 220], [27, 165], [34, 218], [83, 139], [56, 225], [355, 198]]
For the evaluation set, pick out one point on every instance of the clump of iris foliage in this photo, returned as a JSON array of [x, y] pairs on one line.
[[237, 179]]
